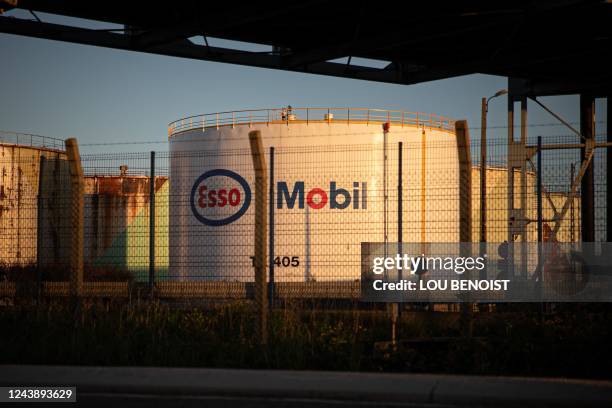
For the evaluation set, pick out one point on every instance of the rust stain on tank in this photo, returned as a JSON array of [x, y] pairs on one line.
[[25, 225], [116, 202]]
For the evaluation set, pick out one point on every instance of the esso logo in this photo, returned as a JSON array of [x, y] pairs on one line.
[[220, 197]]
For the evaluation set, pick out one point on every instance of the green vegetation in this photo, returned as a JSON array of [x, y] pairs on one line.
[[565, 343]]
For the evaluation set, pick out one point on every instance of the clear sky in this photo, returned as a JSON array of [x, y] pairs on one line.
[[102, 95]]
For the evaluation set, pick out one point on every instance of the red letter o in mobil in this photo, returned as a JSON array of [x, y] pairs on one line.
[[310, 198]]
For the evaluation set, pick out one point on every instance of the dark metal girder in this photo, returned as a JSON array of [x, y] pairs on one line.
[[186, 49], [457, 24], [382, 42], [599, 87], [555, 54], [211, 25]]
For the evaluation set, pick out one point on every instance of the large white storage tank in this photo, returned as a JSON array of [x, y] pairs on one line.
[[331, 179]]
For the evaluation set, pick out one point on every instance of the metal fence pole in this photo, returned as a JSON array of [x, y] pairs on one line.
[[259, 165], [271, 233], [76, 218], [152, 226], [400, 202], [483, 183], [400, 210]]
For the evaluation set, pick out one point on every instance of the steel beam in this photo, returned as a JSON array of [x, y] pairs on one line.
[[187, 49], [559, 118]]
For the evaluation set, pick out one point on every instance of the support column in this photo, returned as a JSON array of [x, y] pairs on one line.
[[587, 185], [517, 162]]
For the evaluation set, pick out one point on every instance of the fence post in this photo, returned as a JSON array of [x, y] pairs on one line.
[[152, 226], [39, 228], [76, 218], [271, 234], [259, 165], [465, 211]]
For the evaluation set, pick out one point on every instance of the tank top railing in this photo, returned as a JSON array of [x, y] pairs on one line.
[[25, 139], [307, 115]]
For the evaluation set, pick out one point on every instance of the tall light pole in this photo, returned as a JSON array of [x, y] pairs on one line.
[[483, 165]]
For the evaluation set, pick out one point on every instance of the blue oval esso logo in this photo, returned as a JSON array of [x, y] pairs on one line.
[[220, 197]]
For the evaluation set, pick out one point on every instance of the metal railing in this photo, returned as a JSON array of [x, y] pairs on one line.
[[26, 139], [307, 115]]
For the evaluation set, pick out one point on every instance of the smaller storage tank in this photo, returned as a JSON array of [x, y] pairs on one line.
[[117, 223], [33, 193], [497, 207]]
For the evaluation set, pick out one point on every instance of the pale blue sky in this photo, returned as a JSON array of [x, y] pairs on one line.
[[102, 95]]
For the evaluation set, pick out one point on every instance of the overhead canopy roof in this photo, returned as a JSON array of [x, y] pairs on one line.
[[558, 46]]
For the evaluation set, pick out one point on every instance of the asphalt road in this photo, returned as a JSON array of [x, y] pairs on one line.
[[118, 387]]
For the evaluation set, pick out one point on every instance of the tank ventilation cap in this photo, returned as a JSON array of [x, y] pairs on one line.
[[123, 169]]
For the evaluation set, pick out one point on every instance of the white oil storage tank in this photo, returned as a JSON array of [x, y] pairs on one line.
[[335, 185]]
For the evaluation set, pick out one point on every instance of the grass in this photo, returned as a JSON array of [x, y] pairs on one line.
[[60, 273], [568, 343]]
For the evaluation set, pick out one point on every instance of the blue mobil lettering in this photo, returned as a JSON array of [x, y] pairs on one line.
[[317, 198]]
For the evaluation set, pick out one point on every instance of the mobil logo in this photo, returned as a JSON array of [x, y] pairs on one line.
[[220, 197], [337, 198]]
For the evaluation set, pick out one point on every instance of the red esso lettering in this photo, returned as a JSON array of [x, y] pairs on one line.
[[234, 197], [218, 198], [202, 197]]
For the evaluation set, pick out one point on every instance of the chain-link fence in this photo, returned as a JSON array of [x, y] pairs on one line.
[[188, 231]]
